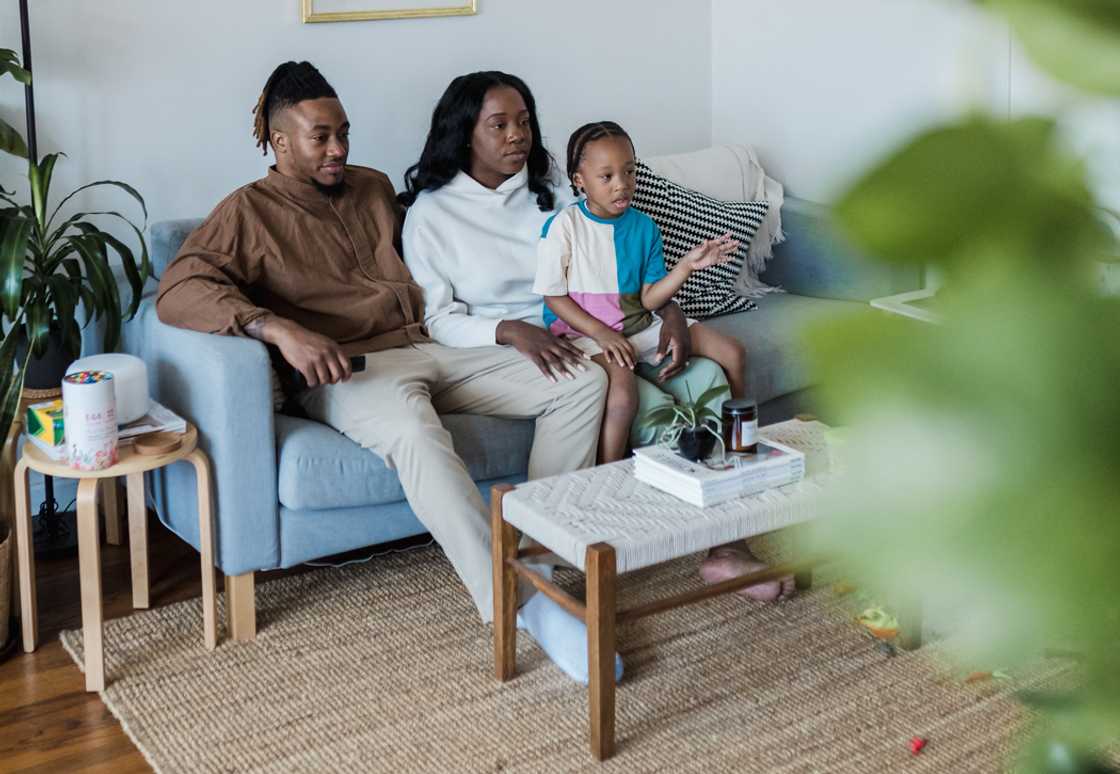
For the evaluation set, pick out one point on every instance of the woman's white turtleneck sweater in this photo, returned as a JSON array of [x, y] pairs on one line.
[[474, 252]]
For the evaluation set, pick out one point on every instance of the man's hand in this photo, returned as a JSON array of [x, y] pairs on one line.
[[317, 358], [675, 339], [554, 356]]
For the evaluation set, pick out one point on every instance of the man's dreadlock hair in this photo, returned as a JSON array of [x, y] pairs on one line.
[[289, 84]]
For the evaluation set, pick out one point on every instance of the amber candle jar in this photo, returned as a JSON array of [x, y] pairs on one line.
[[740, 425]]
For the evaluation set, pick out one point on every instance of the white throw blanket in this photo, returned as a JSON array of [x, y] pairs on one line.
[[733, 173]]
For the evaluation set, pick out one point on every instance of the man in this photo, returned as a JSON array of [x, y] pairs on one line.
[[306, 259]]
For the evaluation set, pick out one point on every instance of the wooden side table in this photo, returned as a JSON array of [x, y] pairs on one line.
[[132, 466]]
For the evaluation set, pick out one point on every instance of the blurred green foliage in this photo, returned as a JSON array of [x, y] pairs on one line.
[[983, 454], [1074, 40]]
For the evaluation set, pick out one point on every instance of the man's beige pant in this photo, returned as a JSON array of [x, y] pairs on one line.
[[392, 408]]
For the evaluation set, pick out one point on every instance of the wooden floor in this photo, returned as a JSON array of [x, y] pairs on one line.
[[48, 723]]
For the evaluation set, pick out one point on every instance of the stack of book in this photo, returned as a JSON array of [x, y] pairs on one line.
[[715, 481], [46, 429]]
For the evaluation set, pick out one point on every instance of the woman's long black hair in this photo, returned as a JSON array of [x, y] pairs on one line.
[[447, 149]]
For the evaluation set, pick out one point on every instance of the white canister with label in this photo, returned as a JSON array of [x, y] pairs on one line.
[[89, 412]]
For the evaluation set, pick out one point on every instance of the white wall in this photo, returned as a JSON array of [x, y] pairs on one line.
[[822, 88], [159, 94]]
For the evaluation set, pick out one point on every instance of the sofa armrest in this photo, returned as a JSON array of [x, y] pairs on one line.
[[222, 384], [816, 261]]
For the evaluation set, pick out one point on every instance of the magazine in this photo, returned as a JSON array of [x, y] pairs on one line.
[[719, 479], [158, 419]]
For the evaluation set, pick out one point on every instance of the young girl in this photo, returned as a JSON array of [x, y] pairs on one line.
[[602, 273]]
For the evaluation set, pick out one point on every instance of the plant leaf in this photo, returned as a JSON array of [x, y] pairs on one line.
[[89, 301], [1077, 41], [11, 141], [40, 176], [72, 267], [951, 193], [128, 262], [60, 232], [14, 233], [11, 67], [136, 274], [706, 413], [11, 377], [123, 186], [103, 283], [63, 296], [38, 313], [95, 260], [659, 416], [711, 394]]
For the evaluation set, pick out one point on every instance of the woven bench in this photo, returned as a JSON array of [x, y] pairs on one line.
[[604, 522]]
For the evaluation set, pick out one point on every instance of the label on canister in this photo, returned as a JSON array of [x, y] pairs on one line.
[[90, 419], [748, 433]]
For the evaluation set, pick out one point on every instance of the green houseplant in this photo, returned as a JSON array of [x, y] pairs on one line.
[[691, 425], [981, 454], [51, 265]]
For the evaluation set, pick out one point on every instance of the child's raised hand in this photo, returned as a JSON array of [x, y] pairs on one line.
[[711, 252], [618, 349]]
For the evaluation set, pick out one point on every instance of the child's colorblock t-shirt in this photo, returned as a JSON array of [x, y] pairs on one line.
[[601, 264]]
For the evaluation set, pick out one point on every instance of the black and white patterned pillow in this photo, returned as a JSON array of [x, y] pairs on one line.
[[686, 218]]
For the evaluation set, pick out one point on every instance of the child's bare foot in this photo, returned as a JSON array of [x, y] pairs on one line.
[[735, 559]]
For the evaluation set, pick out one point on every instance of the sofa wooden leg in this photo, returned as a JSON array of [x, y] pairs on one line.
[[241, 608]]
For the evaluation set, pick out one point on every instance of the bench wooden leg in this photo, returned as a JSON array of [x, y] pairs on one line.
[[601, 571], [89, 564], [241, 607], [503, 543]]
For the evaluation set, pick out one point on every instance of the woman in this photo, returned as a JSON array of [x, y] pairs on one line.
[[477, 198]]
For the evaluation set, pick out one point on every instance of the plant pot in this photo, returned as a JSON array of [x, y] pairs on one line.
[[695, 443], [46, 372]]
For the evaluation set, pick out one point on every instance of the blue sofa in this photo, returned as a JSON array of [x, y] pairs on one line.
[[290, 490]]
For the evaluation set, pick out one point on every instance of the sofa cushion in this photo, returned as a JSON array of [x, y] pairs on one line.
[[772, 334], [686, 218], [319, 468]]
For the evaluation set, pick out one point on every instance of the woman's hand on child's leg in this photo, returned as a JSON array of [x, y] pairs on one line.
[[555, 356], [618, 349]]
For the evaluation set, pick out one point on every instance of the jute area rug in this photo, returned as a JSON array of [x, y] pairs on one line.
[[385, 667]]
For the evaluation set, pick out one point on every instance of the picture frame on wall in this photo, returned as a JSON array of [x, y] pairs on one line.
[[371, 10]]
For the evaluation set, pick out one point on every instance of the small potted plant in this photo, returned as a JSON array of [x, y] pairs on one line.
[[690, 426]]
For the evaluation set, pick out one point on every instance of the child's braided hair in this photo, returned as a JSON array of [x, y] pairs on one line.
[[589, 133]]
